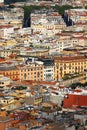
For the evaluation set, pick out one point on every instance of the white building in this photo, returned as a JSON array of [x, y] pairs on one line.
[[77, 15], [6, 30], [1, 1], [47, 22], [49, 73], [48, 69]]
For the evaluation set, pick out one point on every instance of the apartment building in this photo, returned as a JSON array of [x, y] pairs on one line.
[[32, 71], [47, 22], [48, 69], [79, 40], [4, 81], [6, 30], [77, 15], [12, 16], [45, 69], [69, 65], [53, 44], [7, 52], [34, 52], [10, 71]]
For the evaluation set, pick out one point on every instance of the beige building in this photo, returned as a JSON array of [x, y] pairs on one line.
[[13, 16], [7, 53], [7, 100], [34, 52], [81, 41], [4, 81], [33, 71]]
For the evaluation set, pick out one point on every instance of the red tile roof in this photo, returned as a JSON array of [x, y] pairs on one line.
[[5, 26], [68, 58], [2, 59]]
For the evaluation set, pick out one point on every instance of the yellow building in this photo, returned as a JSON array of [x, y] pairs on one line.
[[7, 100], [11, 42], [33, 71], [69, 65]]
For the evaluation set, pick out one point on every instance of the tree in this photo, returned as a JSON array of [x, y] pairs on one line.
[[61, 9]]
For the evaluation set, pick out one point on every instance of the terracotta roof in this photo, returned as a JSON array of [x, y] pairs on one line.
[[5, 26], [68, 58], [2, 59], [39, 82]]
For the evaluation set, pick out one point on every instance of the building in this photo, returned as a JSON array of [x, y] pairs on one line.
[[34, 99], [8, 52], [81, 41], [4, 81], [48, 22], [5, 122], [6, 30], [48, 69], [77, 98], [7, 100], [10, 71], [12, 16], [34, 52], [77, 15], [32, 71], [69, 65]]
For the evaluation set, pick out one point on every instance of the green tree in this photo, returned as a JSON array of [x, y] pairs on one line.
[[29, 9], [61, 9]]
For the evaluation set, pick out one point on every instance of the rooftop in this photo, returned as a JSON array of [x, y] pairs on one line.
[[68, 58]]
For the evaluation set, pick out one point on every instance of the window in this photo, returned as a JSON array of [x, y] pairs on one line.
[[64, 66], [25, 76], [70, 66], [64, 72]]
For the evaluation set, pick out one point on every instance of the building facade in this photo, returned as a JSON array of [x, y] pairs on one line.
[[10, 71], [33, 71], [69, 65], [47, 22]]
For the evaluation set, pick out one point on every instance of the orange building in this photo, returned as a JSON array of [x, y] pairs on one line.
[[5, 122], [10, 71]]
